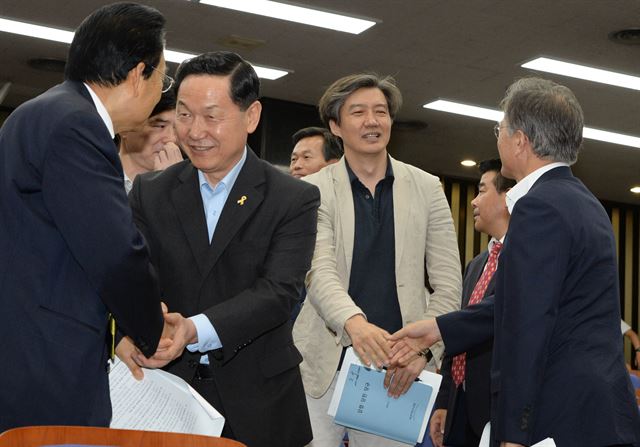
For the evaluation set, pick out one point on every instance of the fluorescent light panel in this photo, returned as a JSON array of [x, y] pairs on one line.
[[296, 14], [263, 72], [58, 35], [584, 72], [496, 115]]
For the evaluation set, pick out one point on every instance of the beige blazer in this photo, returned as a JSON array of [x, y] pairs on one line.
[[425, 239]]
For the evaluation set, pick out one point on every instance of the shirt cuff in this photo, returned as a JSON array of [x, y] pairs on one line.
[[208, 339]]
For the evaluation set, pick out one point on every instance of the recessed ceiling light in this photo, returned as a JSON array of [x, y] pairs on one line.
[[635, 190], [584, 72], [468, 163], [298, 14], [58, 35], [496, 115]]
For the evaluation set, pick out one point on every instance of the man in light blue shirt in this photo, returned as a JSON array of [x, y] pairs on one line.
[[231, 238]]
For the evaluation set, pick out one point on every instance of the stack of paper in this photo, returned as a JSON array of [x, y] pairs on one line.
[[160, 402]]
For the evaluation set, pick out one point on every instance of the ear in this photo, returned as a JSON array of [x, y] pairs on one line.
[[252, 115], [135, 78], [335, 128]]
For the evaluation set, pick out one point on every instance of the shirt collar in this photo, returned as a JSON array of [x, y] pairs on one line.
[[523, 186], [228, 180], [353, 176], [102, 111], [493, 241]]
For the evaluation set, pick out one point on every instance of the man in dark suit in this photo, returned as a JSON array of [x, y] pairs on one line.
[[232, 238], [558, 368], [462, 407], [70, 254]]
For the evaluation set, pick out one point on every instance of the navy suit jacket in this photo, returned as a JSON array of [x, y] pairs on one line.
[[476, 408], [246, 281], [69, 255], [558, 368]]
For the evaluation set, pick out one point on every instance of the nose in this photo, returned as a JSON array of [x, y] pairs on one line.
[[296, 165], [371, 119], [474, 202], [169, 135], [197, 129]]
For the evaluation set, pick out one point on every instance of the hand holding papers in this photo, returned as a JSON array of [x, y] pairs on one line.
[[160, 402], [486, 438], [360, 401]]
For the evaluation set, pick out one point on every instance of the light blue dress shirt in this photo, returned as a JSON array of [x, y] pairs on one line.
[[213, 200]]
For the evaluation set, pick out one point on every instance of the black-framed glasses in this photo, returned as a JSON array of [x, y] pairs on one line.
[[167, 81]]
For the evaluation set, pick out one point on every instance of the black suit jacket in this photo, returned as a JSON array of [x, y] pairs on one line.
[[476, 408], [69, 255], [246, 282]]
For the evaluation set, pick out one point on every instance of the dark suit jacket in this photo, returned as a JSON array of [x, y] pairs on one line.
[[246, 282], [477, 406], [69, 255], [558, 369]]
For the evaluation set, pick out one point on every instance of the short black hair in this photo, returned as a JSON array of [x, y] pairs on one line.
[[331, 149], [245, 84], [167, 102], [112, 41], [501, 183]]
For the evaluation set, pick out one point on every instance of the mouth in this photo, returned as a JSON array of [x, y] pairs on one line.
[[371, 135], [197, 148], [297, 175]]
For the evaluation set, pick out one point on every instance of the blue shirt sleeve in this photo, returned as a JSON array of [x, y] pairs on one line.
[[207, 336]]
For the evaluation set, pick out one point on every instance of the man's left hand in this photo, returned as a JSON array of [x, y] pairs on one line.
[[399, 380]]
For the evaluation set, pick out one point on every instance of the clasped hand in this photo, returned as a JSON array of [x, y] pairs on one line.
[[177, 333], [374, 347]]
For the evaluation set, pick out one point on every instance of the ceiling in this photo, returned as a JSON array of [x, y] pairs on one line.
[[467, 51]]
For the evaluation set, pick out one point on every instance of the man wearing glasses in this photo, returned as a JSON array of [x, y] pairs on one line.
[[70, 254]]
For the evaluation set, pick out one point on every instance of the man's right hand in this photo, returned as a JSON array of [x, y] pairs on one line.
[[178, 332], [436, 426], [410, 341], [369, 341]]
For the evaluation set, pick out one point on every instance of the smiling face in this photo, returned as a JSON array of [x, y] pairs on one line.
[[365, 123], [211, 128], [307, 156], [144, 144]]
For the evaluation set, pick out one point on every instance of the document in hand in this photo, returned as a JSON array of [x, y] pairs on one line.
[[160, 402], [360, 401]]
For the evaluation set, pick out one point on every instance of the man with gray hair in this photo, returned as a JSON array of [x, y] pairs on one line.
[[382, 225], [558, 368]]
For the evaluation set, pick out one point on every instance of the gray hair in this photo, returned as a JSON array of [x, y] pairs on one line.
[[334, 98], [549, 114]]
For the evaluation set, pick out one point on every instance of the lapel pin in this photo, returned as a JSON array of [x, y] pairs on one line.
[[242, 200]]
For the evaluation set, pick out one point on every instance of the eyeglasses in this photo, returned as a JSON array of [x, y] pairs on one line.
[[496, 129], [167, 81]]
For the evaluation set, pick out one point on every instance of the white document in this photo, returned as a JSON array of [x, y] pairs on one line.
[[486, 434], [160, 402], [350, 357]]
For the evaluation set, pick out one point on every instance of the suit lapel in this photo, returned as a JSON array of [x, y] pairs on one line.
[[245, 197], [401, 205], [345, 211], [187, 201], [474, 276]]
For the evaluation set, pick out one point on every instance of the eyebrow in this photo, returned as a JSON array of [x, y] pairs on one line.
[[381, 104]]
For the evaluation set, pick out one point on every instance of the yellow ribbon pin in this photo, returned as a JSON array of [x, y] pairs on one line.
[[242, 200]]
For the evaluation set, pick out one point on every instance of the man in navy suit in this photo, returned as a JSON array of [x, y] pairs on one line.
[[463, 407], [558, 368], [70, 254]]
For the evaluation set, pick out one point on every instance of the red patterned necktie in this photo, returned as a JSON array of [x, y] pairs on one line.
[[459, 361]]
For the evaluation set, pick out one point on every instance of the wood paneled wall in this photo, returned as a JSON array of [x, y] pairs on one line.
[[625, 220]]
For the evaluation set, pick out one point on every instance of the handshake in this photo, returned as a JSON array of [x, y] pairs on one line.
[[177, 333], [401, 353]]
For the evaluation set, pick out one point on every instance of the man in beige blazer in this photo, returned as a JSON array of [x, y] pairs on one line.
[[382, 225]]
